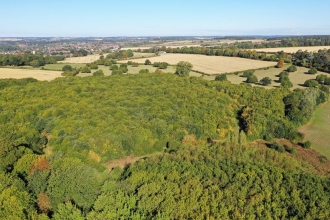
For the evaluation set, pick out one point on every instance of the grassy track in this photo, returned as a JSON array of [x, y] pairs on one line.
[[318, 130]]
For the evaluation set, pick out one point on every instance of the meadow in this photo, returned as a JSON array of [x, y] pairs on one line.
[[293, 49], [25, 73], [317, 131], [297, 78], [210, 64]]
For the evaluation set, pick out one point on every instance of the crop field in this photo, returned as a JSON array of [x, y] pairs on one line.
[[293, 49], [211, 64], [317, 131], [25, 73], [86, 59]]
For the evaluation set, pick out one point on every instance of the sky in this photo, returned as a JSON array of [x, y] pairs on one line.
[[109, 18]]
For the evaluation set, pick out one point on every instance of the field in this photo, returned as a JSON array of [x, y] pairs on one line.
[[25, 73], [297, 78], [211, 64], [317, 131], [59, 66], [131, 70], [293, 49], [143, 55], [86, 59]]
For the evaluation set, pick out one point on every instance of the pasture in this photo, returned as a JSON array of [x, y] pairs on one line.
[[210, 64], [317, 131], [25, 73], [293, 49]]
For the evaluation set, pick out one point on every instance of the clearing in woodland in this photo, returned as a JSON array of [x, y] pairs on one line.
[[210, 64], [317, 131]]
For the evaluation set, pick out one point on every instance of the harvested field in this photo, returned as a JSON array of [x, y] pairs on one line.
[[317, 131], [293, 49], [25, 73], [211, 64], [86, 59]]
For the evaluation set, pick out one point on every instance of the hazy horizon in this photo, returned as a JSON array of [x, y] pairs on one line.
[[100, 18]]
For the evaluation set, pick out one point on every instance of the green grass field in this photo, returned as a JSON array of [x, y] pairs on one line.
[[318, 130], [59, 66]]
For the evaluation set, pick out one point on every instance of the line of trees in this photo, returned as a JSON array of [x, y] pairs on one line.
[[28, 59]]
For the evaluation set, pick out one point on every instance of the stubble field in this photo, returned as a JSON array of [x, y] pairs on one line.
[[293, 49], [25, 73], [210, 64]]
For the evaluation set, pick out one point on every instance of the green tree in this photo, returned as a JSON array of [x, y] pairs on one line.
[[67, 68], [147, 62], [266, 81], [252, 79], [248, 73], [183, 68], [311, 83], [221, 77], [292, 68], [35, 63], [313, 70], [86, 69], [98, 73]]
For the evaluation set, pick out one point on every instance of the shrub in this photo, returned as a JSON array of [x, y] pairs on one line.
[[144, 71], [321, 78], [86, 69], [313, 70], [327, 81], [98, 73], [67, 68], [278, 147], [113, 67], [135, 64], [311, 83], [93, 66], [147, 62], [248, 73], [323, 159], [280, 64], [307, 144], [292, 68], [266, 81], [283, 73], [117, 72], [221, 77], [252, 79], [129, 62]]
